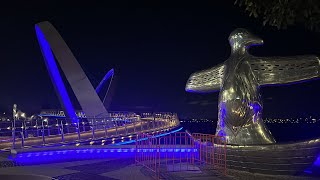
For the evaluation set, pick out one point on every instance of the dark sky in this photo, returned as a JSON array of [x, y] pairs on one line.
[[153, 48]]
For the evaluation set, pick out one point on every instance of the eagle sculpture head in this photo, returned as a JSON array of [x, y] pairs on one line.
[[241, 38]]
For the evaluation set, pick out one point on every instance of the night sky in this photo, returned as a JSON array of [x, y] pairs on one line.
[[153, 48]]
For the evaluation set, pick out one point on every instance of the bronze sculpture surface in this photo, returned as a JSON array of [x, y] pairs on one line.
[[239, 80]]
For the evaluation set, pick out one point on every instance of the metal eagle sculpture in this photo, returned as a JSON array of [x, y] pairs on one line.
[[239, 79]]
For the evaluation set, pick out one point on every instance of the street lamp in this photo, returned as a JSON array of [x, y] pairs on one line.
[[23, 115]]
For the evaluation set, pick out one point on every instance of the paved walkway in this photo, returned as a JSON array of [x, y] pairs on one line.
[[113, 168], [104, 169]]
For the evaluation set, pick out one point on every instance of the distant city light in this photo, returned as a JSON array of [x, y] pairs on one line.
[[308, 120]]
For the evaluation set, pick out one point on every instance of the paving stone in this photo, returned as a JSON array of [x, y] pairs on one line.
[[82, 176]]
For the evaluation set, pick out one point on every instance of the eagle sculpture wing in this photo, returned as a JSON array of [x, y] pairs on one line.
[[206, 81], [283, 70]]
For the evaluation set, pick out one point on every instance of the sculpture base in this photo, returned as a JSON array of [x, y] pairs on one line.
[[276, 159], [256, 133]]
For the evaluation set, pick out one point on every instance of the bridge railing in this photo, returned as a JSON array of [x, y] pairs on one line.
[[49, 130]]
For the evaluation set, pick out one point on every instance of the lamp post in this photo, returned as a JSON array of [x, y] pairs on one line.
[[14, 131], [15, 115], [48, 128], [23, 115]]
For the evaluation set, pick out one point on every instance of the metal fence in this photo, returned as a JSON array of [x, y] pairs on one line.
[[147, 153], [180, 151], [46, 131], [212, 151]]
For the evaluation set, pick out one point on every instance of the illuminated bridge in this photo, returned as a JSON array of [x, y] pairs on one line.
[[119, 126], [94, 122]]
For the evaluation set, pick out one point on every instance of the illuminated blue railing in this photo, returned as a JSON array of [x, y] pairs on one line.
[[78, 154]]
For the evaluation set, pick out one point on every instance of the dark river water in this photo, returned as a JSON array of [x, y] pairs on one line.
[[281, 132]]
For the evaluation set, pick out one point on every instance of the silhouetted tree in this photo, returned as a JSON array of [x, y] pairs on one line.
[[283, 13]]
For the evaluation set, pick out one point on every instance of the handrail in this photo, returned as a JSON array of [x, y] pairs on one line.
[[42, 131]]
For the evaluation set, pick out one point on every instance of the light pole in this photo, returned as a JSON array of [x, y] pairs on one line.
[[23, 115], [48, 128], [14, 109]]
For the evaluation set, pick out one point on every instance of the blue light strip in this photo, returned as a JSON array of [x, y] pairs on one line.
[[80, 154], [55, 75], [159, 135], [106, 150]]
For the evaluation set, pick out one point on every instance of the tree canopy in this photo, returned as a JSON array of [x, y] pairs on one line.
[[284, 13]]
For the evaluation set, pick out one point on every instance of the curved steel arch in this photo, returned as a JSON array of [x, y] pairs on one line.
[[55, 76], [109, 75], [52, 43]]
